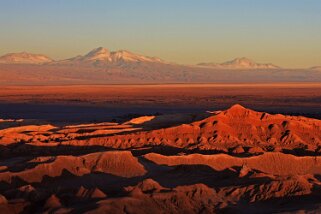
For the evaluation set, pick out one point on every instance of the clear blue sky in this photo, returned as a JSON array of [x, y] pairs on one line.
[[285, 32]]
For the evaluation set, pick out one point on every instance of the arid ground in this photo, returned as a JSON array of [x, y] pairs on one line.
[[178, 148], [88, 103]]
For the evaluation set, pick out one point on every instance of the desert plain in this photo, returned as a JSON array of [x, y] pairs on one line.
[[88, 103]]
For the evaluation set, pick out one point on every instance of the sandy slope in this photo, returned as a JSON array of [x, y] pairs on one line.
[[234, 161]]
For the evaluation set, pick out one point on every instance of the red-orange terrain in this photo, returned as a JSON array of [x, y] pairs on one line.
[[232, 161]]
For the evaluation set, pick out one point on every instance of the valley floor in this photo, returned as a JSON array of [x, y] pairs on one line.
[[89, 103]]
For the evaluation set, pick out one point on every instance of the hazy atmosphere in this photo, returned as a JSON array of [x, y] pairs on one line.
[[286, 33]]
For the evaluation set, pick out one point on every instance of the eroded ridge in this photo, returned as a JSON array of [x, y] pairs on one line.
[[237, 160]]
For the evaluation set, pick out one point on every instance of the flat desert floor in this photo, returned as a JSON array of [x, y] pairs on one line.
[[199, 148], [89, 103]]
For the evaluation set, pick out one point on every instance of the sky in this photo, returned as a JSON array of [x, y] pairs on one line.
[[283, 32]]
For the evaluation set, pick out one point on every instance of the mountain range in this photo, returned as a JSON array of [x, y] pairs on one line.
[[240, 63], [24, 58], [102, 56], [101, 66]]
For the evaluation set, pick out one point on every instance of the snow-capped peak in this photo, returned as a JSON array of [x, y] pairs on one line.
[[240, 63], [103, 55], [100, 54], [24, 58], [127, 56], [243, 61]]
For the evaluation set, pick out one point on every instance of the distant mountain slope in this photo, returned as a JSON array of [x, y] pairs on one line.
[[240, 63], [24, 58], [103, 56], [100, 66]]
